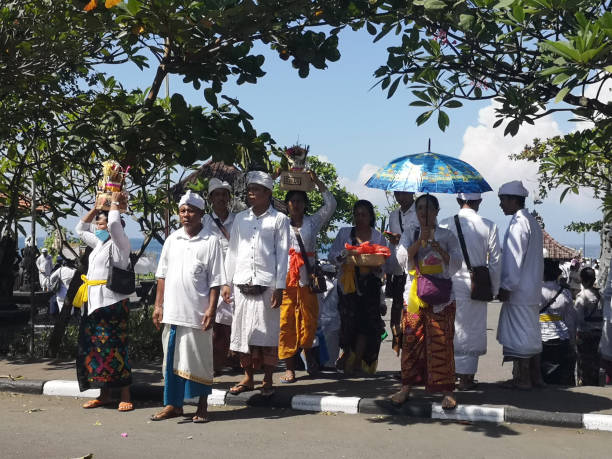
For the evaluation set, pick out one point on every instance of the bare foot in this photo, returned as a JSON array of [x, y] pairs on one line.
[[201, 415], [289, 377], [401, 397], [167, 412]]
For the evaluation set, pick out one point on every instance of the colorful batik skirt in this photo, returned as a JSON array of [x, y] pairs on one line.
[[102, 358]]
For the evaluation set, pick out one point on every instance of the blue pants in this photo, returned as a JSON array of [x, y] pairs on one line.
[[177, 389]]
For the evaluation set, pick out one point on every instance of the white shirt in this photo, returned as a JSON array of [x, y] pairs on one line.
[[482, 245], [225, 310], [99, 261], [258, 249], [587, 306], [329, 314], [398, 223], [191, 266], [311, 225], [44, 263], [562, 306], [448, 241], [522, 259], [63, 275]]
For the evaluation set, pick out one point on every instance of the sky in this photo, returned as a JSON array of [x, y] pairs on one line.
[[358, 129]]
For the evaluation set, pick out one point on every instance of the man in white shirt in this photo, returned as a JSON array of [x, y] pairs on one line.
[[520, 288], [62, 277], [189, 276], [44, 263], [256, 267], [400, 220], [482, 247], [219, 222]]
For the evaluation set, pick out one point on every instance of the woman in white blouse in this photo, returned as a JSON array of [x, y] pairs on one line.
[[300, 307], [102, 360], [427, 341]]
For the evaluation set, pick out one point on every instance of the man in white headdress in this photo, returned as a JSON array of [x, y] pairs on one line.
[[481, 243], [256, 267], [189, 276], [44, 263], [520, 288], [219, 222]]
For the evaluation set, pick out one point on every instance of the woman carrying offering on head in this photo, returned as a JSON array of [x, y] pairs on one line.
[[300, 308], [360, 297], [428, 329], [102, 359]]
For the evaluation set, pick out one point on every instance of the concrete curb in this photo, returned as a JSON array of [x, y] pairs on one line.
[[331, 403]]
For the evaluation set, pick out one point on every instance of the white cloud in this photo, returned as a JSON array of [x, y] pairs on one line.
[[488, 150], [591, 92], [358, 188], [323, 158]]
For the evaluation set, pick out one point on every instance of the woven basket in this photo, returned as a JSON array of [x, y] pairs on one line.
[[296, 180], [367, 259]]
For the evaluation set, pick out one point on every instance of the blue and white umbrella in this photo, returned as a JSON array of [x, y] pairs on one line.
[[429, 173]]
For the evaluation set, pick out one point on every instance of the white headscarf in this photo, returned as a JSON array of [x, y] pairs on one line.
[[513, 188], [260, 178], [193, 199], [469, 196], [214, 184]]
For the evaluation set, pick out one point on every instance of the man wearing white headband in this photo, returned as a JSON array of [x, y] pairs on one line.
[[481, 249], [520, 288], [219, 222], [256, 267], [189, 276]]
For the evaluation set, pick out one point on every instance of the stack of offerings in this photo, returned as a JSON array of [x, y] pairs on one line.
[[366, 254], [113, 179], [297, 178]]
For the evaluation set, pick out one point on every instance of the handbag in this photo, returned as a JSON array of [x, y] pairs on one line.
[[432, 289], [481, 288], [120, 280], [316, 278]]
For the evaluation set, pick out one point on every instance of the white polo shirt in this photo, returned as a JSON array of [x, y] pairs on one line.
[[190, 267]]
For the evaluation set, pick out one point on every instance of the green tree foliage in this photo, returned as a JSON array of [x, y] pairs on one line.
[[345, 199]]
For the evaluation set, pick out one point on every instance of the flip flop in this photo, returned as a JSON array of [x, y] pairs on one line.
[[240, 388], [285, 380], [199, 419], [125, 406], [95, 403], [167, 413]]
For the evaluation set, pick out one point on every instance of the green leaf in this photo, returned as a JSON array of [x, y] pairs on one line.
[[453, 104], [370, 28], [561, 78], [561, 94], [608, 68], [211, 97], [434, 5], [518, 12], [552, 70], [503, 4], [512, 128], [393, 87], [419, 103], [562, 49], [466, 21], [443, 120], [423, 117]]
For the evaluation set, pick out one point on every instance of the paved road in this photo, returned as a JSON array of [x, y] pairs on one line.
[[38, 426]]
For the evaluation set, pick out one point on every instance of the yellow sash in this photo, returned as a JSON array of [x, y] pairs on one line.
[[414, 302], [347, 280], [550, 318], [81, 294]]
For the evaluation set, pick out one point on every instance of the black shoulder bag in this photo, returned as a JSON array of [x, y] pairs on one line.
[[316, 278], [482, 290], [120, 280]]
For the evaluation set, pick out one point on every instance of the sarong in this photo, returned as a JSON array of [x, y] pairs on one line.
[[187, 367], [254, 323], [518, 330], [258, 357], [557, 362], [102, 355], [299, 312], [587, 346], [427, 349], [360, 315]]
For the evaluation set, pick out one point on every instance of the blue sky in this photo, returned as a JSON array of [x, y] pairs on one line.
[[358, 129]]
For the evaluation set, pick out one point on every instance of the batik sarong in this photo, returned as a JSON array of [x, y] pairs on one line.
[[102, 355], [299, 312], [427, 349]]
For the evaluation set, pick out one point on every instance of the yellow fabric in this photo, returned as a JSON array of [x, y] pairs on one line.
[[347, 279], [299, 313], [81, 294], [550, 318], [414, 302]]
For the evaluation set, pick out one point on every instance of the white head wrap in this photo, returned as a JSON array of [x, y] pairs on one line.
[[260, 178], [215, 184], [514, 188], [193, 199], [469, 196]]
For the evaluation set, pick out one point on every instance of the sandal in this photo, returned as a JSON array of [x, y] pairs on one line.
[[95, 403], [167, 413], [240, 388], [197, 419], [449, 403], [125, 406], [286, 380]]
